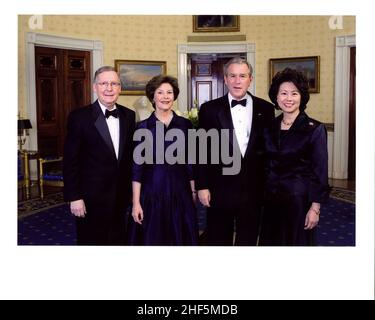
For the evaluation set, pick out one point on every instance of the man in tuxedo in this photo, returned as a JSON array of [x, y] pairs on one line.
[[234, 201], [97, 163]]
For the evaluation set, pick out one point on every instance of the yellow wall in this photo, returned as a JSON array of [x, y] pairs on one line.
[[143, 37]]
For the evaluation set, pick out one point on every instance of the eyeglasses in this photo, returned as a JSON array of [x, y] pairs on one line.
[[107, 84]]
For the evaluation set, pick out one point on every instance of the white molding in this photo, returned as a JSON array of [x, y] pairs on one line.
[[186, 48], [345, 41], [39, 39], [31, 91], [47, 40], [341, 133], [330, 152]]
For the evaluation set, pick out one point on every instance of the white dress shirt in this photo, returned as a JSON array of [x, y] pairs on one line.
[[242, 118], [114, 129]]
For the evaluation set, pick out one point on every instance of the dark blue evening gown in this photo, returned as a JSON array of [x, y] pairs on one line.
[[169, 213]]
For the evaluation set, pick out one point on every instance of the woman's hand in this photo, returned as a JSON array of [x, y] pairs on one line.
[[137, 213], [312, 218], [204, 197]]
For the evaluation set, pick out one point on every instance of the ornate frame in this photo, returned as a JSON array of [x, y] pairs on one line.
[[224, 23], [134, 74], [310, 66]]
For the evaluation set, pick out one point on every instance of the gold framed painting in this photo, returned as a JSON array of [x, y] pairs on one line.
[[224, 23], [134, 74], [309, 66]]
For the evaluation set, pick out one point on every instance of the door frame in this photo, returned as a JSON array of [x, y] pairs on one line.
[[45, 40], [208, 47], [341, 127]]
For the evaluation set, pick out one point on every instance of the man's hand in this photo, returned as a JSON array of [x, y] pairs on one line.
[[78, 208]]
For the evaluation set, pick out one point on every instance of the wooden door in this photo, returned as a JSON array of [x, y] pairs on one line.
[[62, 84], [352, 110], [207, 80]]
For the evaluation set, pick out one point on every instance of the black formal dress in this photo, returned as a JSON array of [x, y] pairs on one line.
[[297, 175], [93, 173], [236, 200], [169, 213]]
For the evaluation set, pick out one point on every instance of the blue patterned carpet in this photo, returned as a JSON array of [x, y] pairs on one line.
[[56, 226], [337, 224]]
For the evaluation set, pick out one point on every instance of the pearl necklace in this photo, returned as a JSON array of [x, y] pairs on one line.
[[167, 120], [287, 123]]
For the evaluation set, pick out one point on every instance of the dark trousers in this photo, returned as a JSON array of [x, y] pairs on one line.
[[238, 225], [101, 232]]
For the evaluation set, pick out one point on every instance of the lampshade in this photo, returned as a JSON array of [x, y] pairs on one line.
[[23, 124]]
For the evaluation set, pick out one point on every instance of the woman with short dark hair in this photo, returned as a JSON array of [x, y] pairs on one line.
[[297, 165], [156, 82]]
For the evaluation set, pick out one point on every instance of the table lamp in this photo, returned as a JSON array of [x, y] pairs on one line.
[[23, 130]]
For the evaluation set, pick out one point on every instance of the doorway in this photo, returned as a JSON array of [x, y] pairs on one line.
[[187, 50], [207, 76], [95, 47], [341, 117], [62, 79]]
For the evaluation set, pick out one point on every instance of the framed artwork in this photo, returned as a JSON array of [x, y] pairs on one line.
[[216, 23], [134, 74], [203, 69], [309, 66]]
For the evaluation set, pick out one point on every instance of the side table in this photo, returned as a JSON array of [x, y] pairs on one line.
[[28, 155]]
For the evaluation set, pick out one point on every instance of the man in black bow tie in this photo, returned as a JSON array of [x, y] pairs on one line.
[[238, 102], [234, 201], [113, 113], [97, 163]]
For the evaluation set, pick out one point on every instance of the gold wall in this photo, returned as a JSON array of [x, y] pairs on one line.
[[141, 37]]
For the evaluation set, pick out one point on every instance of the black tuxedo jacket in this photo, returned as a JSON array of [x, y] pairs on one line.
[[246, 186], [91, 170]]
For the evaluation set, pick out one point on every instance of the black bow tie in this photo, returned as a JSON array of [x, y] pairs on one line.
[[236, 102], [113, 113]]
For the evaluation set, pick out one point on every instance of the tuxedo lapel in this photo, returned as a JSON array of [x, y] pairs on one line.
[[102, 127], [123, 132], [257, 118], [225, 117]]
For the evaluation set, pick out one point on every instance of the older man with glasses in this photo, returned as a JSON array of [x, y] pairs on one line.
[[97, 163]]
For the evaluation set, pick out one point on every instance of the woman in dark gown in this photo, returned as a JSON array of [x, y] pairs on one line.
[[297, 166], [163, 194]]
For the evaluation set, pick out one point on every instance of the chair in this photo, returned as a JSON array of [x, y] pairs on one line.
[[50, 173], [20, 170]]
